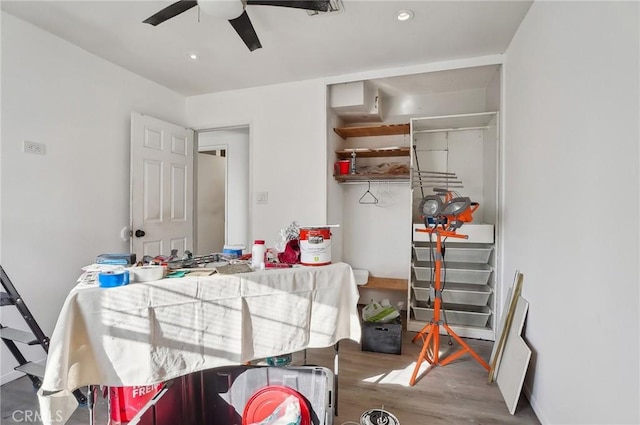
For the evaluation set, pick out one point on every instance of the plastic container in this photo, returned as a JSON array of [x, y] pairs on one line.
[[271, 404], [455, 314], [146, 273], [342, 167], [361, 276], [258, 252], [454, 293], [219, 396], [456, 252], [473, 273], [233, 250]]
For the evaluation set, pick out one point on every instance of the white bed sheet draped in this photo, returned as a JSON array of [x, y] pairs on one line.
[[145, 333]]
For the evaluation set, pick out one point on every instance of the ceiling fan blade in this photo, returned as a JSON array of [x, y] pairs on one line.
[[243, 26], [170, 11], [319, 5]]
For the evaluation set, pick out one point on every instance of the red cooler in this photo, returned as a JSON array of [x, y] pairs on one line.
[[126, 402]]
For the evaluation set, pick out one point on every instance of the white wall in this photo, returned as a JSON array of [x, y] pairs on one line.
[[490, 144], [493, 92], [210, 222], [571, 215], [61, 209], [459, 152], [238, 210], [288, 149], [434, 104], [334, 190]]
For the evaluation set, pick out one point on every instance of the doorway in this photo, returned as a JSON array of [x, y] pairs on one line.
[[222, 189], [211, 205]]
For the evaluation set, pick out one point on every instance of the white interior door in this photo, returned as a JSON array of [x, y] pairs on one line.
[[161, 187]]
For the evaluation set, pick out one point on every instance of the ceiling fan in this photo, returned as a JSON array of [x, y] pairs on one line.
[[234, 11]]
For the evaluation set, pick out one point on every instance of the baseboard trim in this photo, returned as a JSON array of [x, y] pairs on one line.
[[11, 376], [535, 406]]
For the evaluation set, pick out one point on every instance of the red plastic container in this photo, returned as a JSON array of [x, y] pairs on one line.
[[266, 400], [126, 402], [343, 167]]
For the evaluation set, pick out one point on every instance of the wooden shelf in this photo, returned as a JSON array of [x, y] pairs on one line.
[[452, 122], [373, 153], [343, 178], [387, 283], [377, 130]]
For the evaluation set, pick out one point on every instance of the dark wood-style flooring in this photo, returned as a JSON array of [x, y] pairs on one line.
[[454, 394]]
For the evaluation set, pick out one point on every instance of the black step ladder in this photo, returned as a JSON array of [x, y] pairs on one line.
[[10, 336]]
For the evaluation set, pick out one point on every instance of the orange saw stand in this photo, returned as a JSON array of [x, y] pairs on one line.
[[430, 334]]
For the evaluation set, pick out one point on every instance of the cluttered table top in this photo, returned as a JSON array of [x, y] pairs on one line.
[[148, 332]]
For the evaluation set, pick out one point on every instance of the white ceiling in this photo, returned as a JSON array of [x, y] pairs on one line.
[[296, 46]]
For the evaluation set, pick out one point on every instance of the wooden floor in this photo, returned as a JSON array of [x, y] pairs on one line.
[[455, 394]]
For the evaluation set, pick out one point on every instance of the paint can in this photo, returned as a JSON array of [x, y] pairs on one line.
[[315, 246]]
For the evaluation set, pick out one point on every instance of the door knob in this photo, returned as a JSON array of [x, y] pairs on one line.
[[139, 233]]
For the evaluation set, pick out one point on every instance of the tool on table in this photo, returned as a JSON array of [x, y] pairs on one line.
[[198, 261], [277, 265], [116, 259]]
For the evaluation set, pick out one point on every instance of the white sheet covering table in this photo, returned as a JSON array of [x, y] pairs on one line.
[[145, 333]]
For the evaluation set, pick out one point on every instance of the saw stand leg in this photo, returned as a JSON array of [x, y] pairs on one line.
[[335, 376], [92, 395]]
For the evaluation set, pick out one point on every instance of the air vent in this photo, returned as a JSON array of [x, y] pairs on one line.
[[334, 7]]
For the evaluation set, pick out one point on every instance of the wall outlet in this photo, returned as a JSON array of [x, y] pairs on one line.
[[33, 147], [262, 198]]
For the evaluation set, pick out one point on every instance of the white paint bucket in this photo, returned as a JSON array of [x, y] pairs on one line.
[[315, 246]]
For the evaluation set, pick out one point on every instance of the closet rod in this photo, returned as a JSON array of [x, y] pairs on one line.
[[448, 186], [430, 177], [378, 181]]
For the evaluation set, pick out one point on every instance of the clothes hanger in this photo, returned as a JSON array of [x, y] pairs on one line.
[[368, 197], [385, 196]]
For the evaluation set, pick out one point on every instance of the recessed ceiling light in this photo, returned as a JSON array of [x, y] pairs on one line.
[[193, 56], [404, 15]]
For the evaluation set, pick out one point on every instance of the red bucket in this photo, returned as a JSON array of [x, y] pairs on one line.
[[126, 402]]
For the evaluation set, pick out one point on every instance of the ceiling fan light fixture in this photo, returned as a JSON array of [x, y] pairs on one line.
[[404, 15], [224, 9]]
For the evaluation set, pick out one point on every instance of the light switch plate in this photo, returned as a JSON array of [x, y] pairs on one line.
[[262, 197]]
